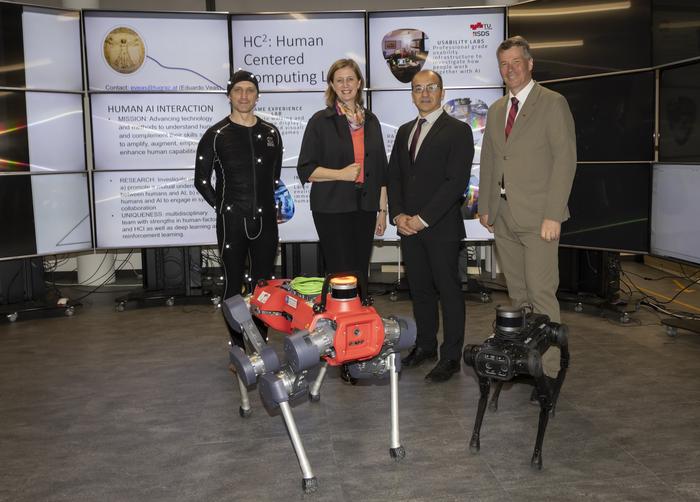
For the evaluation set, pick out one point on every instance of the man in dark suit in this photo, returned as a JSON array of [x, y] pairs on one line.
[[428, 174], [528, 162]]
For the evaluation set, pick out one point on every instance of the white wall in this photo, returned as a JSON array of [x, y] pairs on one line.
[[251, 6]]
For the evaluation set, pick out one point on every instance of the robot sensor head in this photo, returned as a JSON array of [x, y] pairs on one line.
[[344, 288], [509, 320]]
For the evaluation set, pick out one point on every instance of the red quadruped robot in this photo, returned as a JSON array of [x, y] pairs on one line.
[[330, 329]]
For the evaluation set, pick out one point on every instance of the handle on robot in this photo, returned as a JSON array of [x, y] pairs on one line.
[[237, 315]]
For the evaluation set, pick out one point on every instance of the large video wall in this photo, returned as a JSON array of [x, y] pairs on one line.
[[44, 196], [154, 82], [153, 94]]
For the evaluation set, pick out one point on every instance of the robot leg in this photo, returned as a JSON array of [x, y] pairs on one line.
[[396, 451], [484, 388], [276, 389], [315, 389], [545, 393], [244, 409], [493, 404]]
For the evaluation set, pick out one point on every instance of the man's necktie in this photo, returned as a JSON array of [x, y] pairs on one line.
[[414, 140], [511, 115], [509, 125]]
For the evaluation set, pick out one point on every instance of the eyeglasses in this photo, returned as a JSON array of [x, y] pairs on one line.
[[418, 89]]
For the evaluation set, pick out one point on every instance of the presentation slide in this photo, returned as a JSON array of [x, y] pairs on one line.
[[395, 108], [52, 53], [470, 209], [152, 131], [292, 52], [675, 207], [61, 213], [294, 209], [290, 112], [459, 44], [156, 52], [155, 208], [55, 131], [294, 217], [296, 223]]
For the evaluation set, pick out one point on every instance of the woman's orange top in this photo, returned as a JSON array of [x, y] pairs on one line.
[[358, 147]]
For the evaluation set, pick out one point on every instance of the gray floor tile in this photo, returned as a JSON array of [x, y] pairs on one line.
[[140, 406]]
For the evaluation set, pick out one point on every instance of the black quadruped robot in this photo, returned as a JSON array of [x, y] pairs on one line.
[[514, 351], [330, 329]]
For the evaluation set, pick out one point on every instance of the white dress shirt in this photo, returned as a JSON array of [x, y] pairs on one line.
[[425, 128], [430, 120], [521, 96]]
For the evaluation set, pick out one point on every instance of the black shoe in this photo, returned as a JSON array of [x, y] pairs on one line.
[[417, 357], [345, 375], [443, 371]]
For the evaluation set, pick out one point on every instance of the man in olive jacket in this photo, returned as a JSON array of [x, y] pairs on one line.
[[528, 161]]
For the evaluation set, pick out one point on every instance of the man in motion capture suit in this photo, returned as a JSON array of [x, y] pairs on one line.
[[245, 153]]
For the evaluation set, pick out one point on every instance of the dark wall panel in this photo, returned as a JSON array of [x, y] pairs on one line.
[[11, 46], [679, 114], [614, 116], [17, 222], [585, 36], [610, 206]]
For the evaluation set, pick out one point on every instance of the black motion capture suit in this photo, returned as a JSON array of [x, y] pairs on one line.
[[247, 162]]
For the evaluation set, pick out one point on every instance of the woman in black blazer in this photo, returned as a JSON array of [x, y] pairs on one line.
[[343, 154]]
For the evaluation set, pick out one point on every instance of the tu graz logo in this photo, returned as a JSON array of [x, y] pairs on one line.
[[480, 29]]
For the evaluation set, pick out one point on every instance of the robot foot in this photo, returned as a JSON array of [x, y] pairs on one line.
[[314, 398], [309, 485], [536, 462], [397, 453], [244, 413], [345, 375], [474, 444]]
